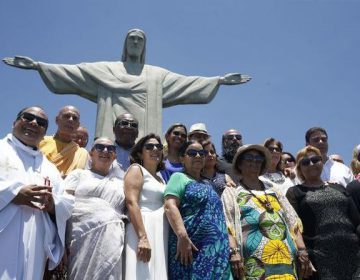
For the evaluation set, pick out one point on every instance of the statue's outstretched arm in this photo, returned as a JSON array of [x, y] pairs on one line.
[[234, 79], [21, 62]]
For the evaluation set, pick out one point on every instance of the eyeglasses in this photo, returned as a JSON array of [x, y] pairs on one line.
[[253, 158], [151, 146], [318, 138], [30, 117], [273, 149], [234, 136], [313, 160], [179, 134], [127, 123], [102, 147], [193, 153]]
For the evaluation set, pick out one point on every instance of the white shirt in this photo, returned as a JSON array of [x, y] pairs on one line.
[[28, 237], [336, 172]]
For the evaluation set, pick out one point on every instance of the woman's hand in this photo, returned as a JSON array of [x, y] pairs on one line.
[[306, 268], [184, 250], [144, 250], [237, 265]]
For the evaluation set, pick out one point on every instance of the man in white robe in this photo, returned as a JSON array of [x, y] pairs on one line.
[[130, 86], [33, 210]]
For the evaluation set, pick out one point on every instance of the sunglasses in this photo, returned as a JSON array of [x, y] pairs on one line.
[[127, 123], [151, 147], [102, 147], [179, 134], [273, 149], [231, 137], [193, 153], [313, 160], [253, 158], [288, 160], [30, 117]]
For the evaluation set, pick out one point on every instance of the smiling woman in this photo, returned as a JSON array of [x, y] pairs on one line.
[[330, 219], [95, 232], [147, 234], [198, 243], [175, 137]]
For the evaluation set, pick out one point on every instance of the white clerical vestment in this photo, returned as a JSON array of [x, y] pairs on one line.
[[118, 88], [28, 237]]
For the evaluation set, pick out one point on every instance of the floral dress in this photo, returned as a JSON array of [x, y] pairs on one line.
[[264, 235], [202, 213]]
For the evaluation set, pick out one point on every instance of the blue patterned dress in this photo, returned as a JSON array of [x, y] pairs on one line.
[[202, 213]]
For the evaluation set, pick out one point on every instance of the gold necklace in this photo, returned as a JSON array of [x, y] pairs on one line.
[[267, 205]]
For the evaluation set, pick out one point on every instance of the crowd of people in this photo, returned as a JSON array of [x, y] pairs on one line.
[[134, 208]]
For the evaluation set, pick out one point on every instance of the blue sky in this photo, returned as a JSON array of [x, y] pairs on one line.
[[303, 57]]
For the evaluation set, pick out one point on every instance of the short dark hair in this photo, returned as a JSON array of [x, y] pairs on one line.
[[137, 149], [313, 130]]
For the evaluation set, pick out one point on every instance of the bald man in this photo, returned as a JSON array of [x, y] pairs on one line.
[[60, 149], [81, 136]]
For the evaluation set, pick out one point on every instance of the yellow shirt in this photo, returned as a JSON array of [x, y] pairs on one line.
[[66, 156]]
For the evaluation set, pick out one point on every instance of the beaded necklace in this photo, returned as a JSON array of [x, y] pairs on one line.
[[266, 203]]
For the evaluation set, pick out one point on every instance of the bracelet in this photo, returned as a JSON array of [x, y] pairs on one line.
[[234, 251], [301, 250]]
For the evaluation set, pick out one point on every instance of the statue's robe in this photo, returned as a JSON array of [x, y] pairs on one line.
[[142, 90]]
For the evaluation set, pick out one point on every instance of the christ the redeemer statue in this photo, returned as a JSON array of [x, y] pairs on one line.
[[129, 85]]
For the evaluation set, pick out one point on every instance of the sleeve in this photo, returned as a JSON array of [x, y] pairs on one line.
[[353, 189], [290, 195], [232, 214], [349, 177], [54, 239], [352, 209], [68, 79], [176, 185], [10, 177], [179, 89], [71, 181]]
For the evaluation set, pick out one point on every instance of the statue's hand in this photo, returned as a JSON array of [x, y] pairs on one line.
[[21, 62], [234, 79]]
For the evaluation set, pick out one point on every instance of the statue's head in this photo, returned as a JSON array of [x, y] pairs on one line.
[[134, 45]]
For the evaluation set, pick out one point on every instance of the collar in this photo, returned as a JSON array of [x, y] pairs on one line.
[[18, 144]]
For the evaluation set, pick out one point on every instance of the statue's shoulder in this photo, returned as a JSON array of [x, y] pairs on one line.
[[156, 69]]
